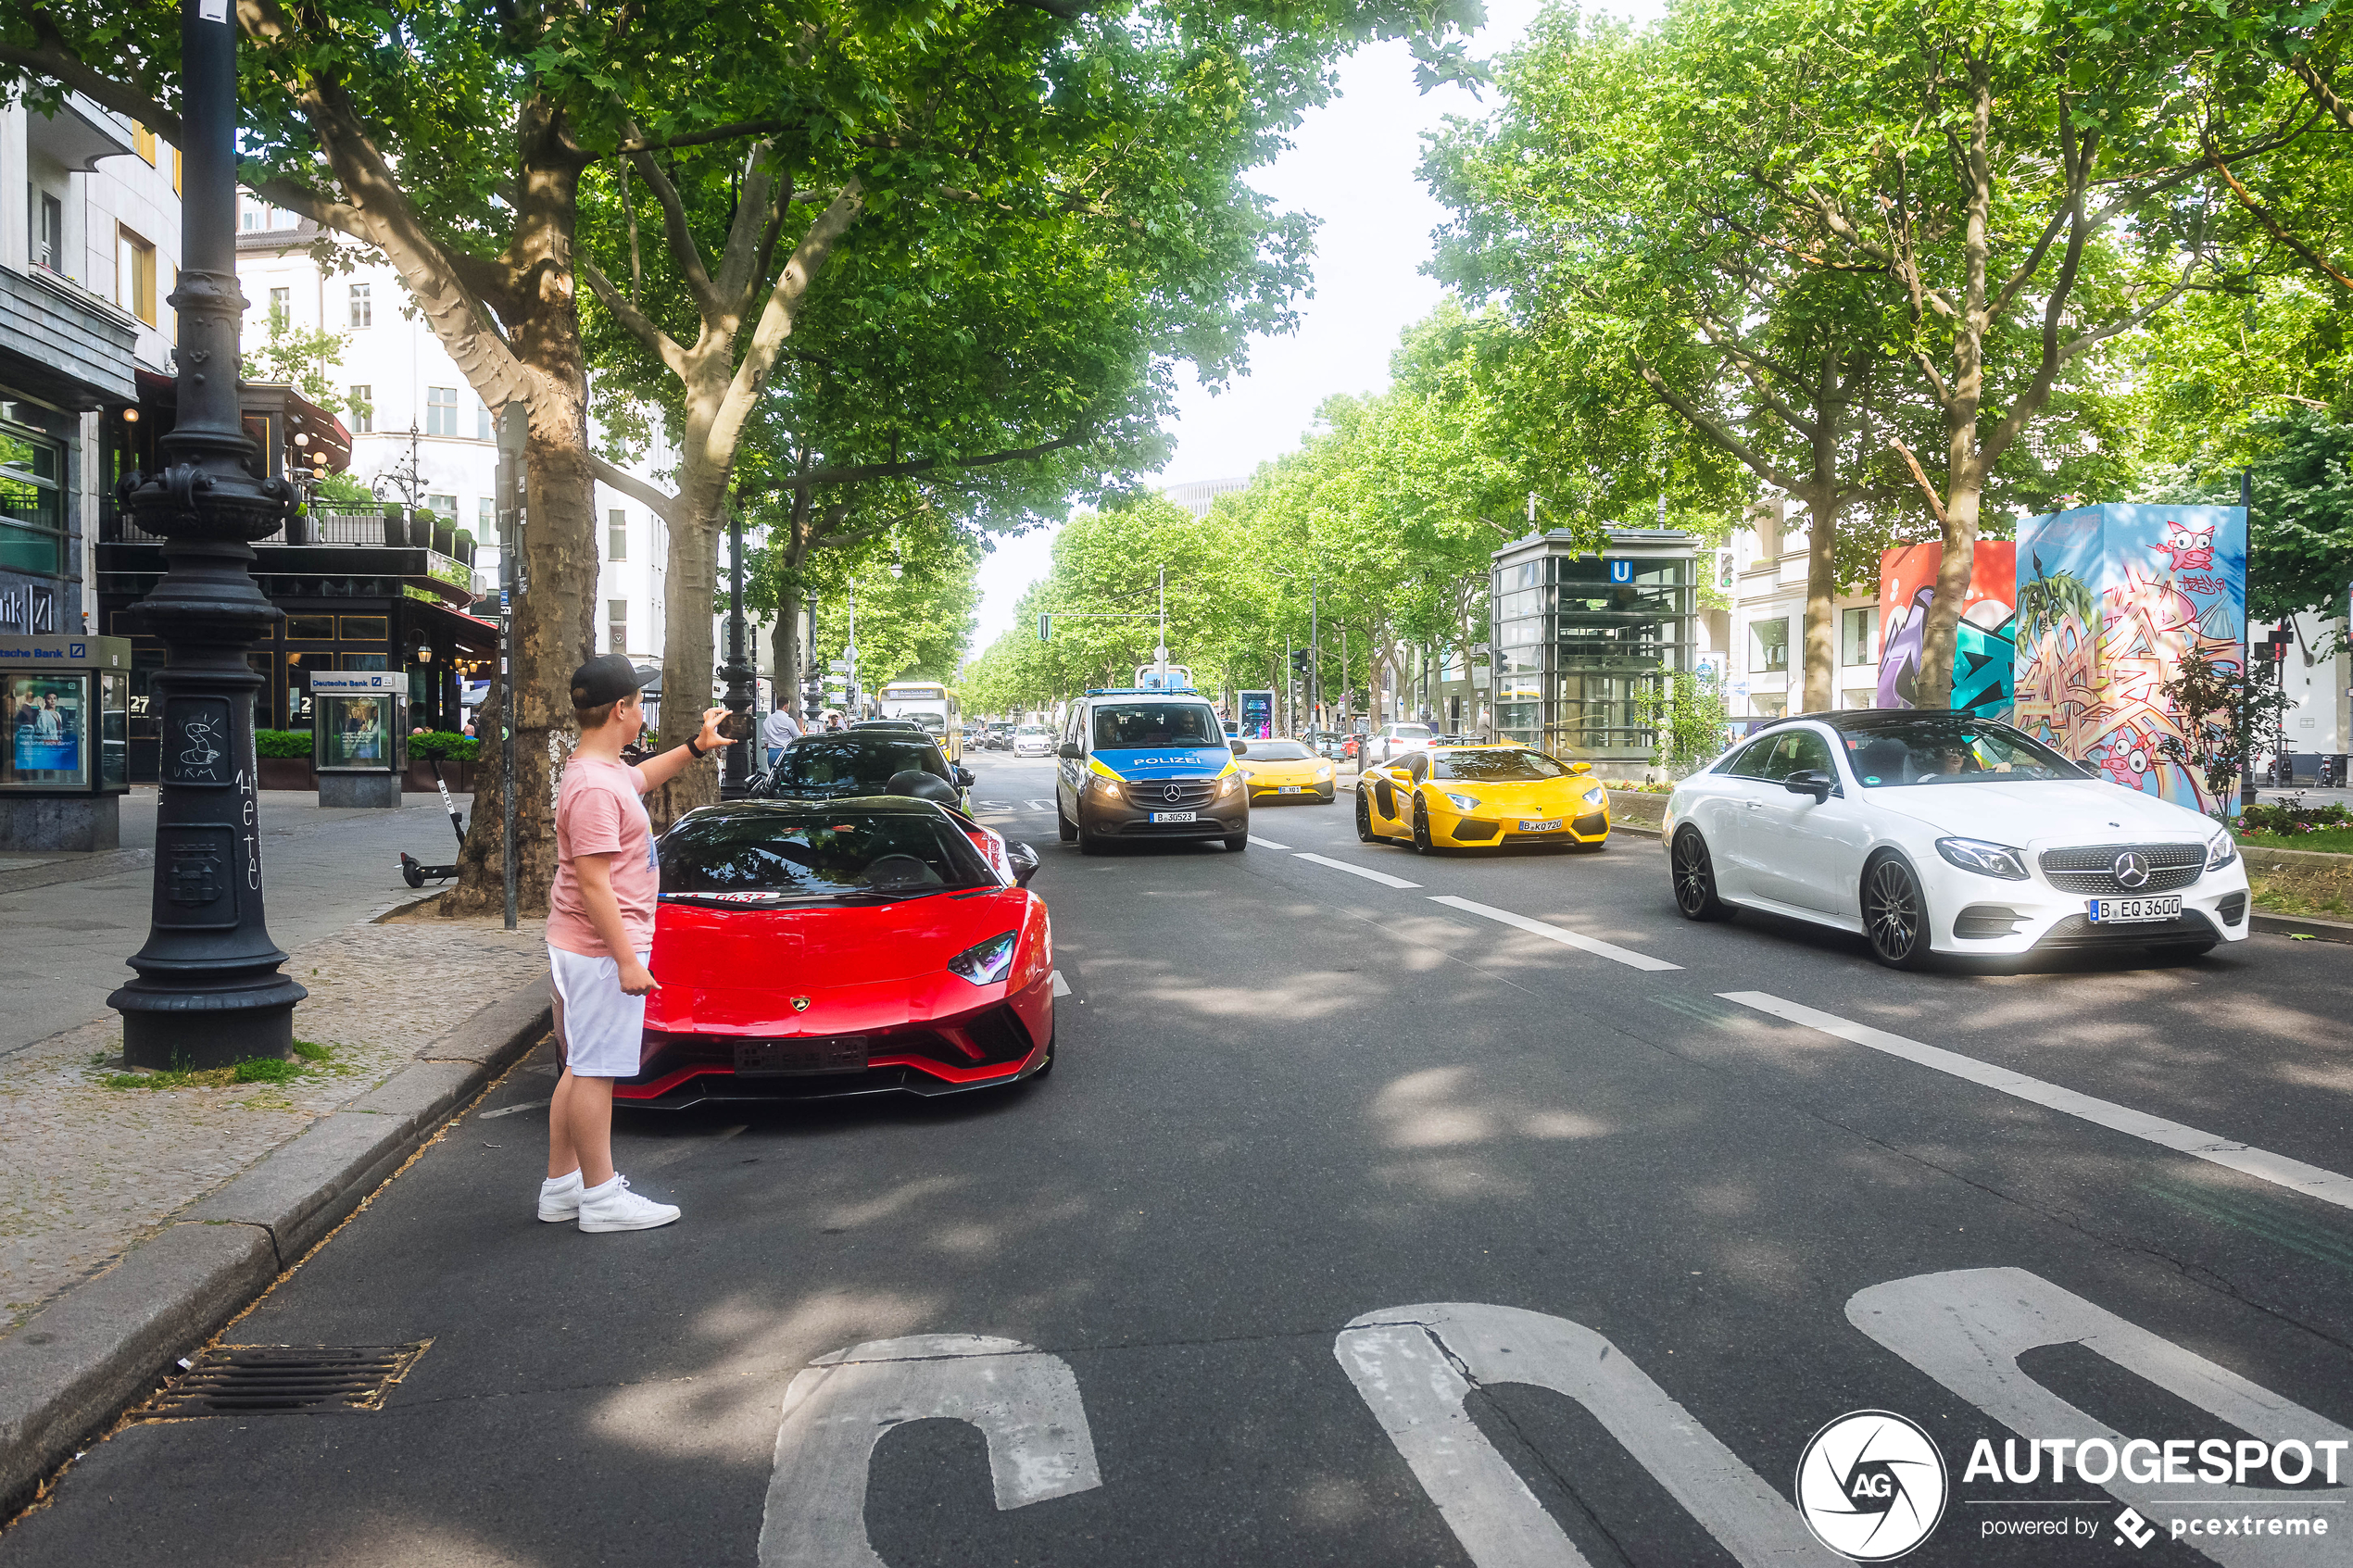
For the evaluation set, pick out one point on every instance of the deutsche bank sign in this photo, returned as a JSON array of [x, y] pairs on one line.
[[1621, 570]]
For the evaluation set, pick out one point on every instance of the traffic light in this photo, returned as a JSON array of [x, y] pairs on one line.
[[1300, 660], [1046, 627]]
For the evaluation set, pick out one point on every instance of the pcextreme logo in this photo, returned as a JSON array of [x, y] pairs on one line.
[[1872, 1486]]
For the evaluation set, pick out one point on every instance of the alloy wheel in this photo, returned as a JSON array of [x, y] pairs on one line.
[[1364, 818], [1895, 915], [1696, 878], [1422, 845]]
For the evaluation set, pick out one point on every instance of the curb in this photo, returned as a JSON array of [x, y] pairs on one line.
[[73, 1366], [2299, 926]]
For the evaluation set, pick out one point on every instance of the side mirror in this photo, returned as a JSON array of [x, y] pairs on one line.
[[1024, 859], [1581, 767], [1811, 781], [1241, 748], [967, 777], [1069, 751]]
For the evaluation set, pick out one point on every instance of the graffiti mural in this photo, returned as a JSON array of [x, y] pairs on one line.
[[2109, 599], [1982, 649]]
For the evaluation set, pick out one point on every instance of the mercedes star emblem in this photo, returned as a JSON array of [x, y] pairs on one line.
[[2130, 870], [1173, 793]]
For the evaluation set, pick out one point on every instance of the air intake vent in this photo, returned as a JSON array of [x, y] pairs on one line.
[[265, 1379]]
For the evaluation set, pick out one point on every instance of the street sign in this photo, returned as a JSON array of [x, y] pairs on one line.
[[838, 666], [1621, 570]]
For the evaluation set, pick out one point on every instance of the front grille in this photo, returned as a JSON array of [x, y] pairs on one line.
[[1169, 794], [2077, 931], [1591, 823], [1475, 832], [258, 1379], [2090, 868], [2232, 909]]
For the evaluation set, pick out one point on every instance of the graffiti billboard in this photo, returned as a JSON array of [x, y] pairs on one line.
[[2109, 599], [1981, 652]]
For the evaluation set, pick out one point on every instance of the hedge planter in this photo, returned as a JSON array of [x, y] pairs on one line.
[[458, 776], [286, 773]]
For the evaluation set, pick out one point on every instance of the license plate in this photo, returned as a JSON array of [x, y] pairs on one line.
[[776, 1057], [2124, 912], [1175, 816], [1550, 824], [1286, 789]]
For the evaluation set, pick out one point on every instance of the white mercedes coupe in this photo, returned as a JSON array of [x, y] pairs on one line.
[[1944, 833]]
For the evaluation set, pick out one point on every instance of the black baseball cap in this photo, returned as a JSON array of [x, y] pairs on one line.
[[607, 678]]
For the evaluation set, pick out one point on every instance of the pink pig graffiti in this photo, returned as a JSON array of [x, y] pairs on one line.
[[2128, 757], [2192, 550]]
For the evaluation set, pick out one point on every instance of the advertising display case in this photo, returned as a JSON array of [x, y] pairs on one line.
[[64, 741], [360, 736]]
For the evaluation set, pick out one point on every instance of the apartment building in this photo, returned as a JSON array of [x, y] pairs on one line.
[[1764, 661], [419, 434]]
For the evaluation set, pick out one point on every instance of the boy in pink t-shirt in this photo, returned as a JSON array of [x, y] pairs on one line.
[[600, 937]]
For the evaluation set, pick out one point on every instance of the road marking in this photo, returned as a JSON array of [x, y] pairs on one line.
[[1267, 842], [1562, 934], [2294, 1175], [1061, 986], [1025, 1402], [1040, 805], [512, 1109], [1383, 877], [1966, 1329], [1414, 1366]]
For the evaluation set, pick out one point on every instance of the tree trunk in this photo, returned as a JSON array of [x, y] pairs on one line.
[[689, 661], [1820, 694], [1940, 632]]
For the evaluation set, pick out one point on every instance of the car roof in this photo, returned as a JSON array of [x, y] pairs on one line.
[[1863, 720], [789, 811]]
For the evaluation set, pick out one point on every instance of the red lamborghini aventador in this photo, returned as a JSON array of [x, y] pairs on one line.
[[809, 949]]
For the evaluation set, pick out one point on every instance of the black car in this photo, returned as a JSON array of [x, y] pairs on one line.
[[846, 762]]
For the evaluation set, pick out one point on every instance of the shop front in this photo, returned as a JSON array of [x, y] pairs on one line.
[[1583, 642], [64, 741]]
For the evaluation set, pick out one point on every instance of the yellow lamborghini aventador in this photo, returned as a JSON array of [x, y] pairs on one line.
[[1283, 771], [1482, 797]]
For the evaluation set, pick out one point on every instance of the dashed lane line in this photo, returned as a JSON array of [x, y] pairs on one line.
[[1061, 986], [1560, 935], [2262, 1164], [1383, 877], [1267, 842], [1040, 805]]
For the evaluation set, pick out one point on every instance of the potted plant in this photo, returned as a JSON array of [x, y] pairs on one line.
[[421, 530], [465, 550], [445, 535], [396, 528]]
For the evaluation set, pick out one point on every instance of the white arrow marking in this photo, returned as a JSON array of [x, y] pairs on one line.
[[1040, 805], [1967, 1328], [1025, 1402], [1415, 1365]]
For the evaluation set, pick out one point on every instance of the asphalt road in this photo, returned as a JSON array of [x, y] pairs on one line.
[[1617, 1239]]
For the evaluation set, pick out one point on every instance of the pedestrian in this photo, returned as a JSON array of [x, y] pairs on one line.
[[778, 730], [600, 934]]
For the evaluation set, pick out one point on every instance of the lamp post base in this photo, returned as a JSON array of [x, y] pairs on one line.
[[182, 1030]]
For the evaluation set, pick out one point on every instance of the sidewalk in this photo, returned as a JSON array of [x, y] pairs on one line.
[[68, 921]]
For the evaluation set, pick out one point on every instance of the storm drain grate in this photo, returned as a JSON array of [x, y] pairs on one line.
[[263, 1379]]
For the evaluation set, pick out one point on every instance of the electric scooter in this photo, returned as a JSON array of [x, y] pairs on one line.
[[414, 871]]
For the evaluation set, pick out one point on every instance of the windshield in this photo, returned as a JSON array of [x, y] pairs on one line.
[[1933, 748], [1032, 730], [932, 717], [1277, 751], [861, 765], [733, 859], [1496, 767], [1119, 725], [1410, 731]]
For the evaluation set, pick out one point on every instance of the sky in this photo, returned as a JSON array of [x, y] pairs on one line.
[[1352, 165]]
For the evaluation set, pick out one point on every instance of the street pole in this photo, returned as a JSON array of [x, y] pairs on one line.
[[735, 779], [208, 992], [1314, 659], [850, 654], [1160, 656]]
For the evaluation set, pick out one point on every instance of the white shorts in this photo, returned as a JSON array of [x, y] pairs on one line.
[[599, 1028]]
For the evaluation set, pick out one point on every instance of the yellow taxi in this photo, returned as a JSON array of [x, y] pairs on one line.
[[1281, 771], [1482, 797]]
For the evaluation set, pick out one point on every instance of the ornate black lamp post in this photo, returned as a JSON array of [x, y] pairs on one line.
[[209, 991], [735, 778]]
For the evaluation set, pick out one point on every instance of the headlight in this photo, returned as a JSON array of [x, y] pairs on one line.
[[1325, 771], [1107, 788], [1596, 796], [986, 963], [1231, 783], [1985, 859], [1463, 802], [2222, 851]]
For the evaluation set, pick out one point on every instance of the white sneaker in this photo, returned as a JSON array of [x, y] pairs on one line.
[[613, 1207], [559, 1198]]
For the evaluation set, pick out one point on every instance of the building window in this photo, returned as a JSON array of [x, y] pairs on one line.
[[143, 142], [1768, 646], [282, 305], [49, 234], [175, 173], [485, 519], [33, 516], [362, 406], [444, 507], [617, 625], [1855, 631], [482, 421], [441, 410], [364, 306], [616, 534], [134, 275], [249, 214]]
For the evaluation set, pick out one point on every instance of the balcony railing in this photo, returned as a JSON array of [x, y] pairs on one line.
[[328, 528]]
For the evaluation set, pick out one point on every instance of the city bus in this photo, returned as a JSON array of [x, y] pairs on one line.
[[931, 704]]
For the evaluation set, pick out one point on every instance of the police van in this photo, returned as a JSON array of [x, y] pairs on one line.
[[1137, 763]]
